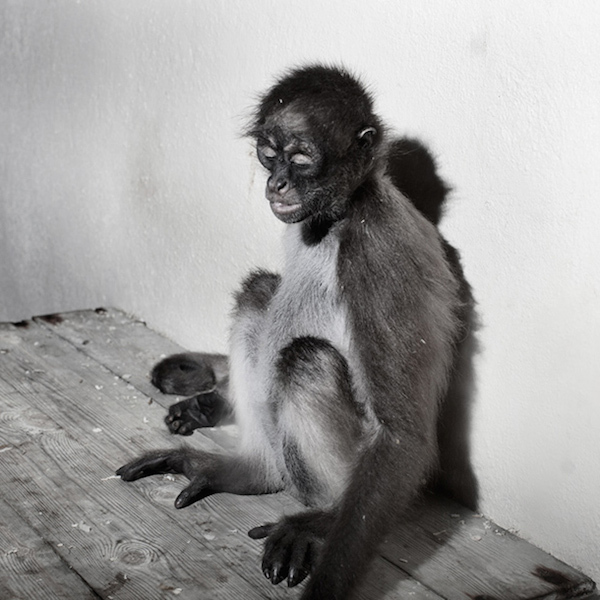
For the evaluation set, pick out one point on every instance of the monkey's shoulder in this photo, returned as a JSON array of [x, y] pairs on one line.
[[385, 237]]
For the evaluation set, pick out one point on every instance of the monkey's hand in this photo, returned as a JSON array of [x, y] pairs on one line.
[[292, 545], [169, 461], [203, 410]]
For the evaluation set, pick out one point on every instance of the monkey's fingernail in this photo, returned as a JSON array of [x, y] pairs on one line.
[[296, 576], [182, 500], [291, 580], [277, 576]]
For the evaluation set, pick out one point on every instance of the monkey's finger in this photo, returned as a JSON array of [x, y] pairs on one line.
[[262, 531], [170, 418], [186, 429], [276, 570], [150, 464], [299, 562], [277, 554], [172, 423], [195, 491], [175, 411]]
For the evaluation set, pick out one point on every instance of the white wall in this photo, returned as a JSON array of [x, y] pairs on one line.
[[124, 181]]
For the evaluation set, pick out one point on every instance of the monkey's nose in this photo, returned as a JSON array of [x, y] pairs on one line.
[[278, 185]]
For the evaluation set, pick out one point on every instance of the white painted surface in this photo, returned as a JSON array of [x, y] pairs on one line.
[[124, 181]]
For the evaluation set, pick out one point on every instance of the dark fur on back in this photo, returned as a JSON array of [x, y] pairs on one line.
[[413, 171]]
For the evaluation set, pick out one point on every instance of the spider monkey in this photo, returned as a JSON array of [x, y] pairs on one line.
[[339, 368]]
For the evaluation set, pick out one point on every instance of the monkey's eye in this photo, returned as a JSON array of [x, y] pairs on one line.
[[268, 152], [302, 160], [266, 156]]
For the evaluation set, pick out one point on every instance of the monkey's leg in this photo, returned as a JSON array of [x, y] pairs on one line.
[[208, 473], [321, 429]]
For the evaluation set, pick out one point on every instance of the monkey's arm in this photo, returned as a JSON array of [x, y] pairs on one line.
[[336, 545], [387, 478], [404, 332]]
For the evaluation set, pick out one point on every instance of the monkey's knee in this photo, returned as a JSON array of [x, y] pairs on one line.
[[307, 360], [314, 391], [257, 290], [314, 364]]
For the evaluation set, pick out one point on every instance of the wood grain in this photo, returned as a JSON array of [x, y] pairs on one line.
[[76, 402], [29, 565], [69, 423]]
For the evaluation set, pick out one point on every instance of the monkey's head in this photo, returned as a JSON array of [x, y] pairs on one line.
[[317, 136]]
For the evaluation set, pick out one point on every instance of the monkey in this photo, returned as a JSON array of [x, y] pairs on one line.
[[340, 366]]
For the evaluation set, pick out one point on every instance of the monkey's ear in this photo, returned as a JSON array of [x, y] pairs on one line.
[[366, 137]]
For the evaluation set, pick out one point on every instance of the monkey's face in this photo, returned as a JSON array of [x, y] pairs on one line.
[[309, 176], [294, 161], [292, 186]]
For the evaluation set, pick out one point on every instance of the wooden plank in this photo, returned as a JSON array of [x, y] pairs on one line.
[[121, 343], [30, 567], [86, 421], [111, 536], [485, 561], [464, 555], [468, 540], [63, 471]]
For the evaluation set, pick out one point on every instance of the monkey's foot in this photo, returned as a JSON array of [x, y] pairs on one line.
[[168, 461], [183, 374], [204, 410]]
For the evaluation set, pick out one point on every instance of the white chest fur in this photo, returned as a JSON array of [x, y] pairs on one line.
[[307, 302]]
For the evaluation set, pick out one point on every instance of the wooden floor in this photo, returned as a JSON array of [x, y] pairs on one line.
[[76, 403]]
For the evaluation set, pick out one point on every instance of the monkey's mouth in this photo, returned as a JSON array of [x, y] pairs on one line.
[[283, 209]]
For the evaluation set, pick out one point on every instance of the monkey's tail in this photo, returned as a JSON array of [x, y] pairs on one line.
[[413, 171]]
